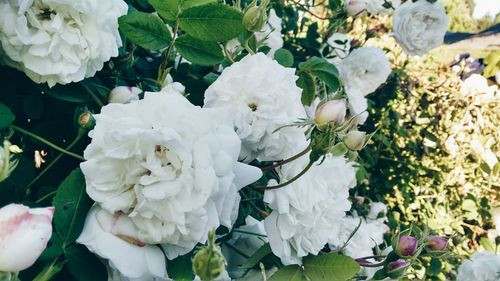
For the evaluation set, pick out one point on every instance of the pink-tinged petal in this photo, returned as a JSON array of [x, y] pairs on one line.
[[24, 234]]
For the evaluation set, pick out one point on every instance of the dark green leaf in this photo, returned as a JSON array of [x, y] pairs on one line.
[[168, 9], [6, 116], [181, 268], [72, 204], [330, 267], [256, 257], [145, 30], [288, 273], [212, 22], [284, 57], [83, 265], [324, 70], [199, 52], [306, 83], [186, 4]]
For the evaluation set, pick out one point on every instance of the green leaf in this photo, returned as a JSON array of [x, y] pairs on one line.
[[306, 83], [83, 265], [212, 22], [284, 57], [330, 267], [256, 257], [289, 273], [324, 70], [181, 268], [487, 244], [186, 4], [145, 30], [199, 52], [168, 9], [72, 204], [6, 116]]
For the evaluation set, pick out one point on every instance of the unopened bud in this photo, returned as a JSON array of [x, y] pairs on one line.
[[396, 269], [255, 16], [407, 246], [86, 120], [7, 163], [208, 262], [355, 140], [332, 111], [124, 94], [437, 243]]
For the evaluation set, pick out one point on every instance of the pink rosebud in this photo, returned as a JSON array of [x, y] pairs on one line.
[[397, 264], [124, 94], [407, 245], [24, 234], [332, 111], [437, 243], [355, 140]]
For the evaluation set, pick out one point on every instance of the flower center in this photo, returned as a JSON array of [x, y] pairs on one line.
[[252, 107]]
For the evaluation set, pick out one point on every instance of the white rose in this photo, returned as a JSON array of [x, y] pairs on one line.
[[376, 209], [307, 213], [482, 266], [271, 33], [340, 45], [246, 243], [356, 7], [114, 237], [24, 234], [124, 94], [420, 26], [358, 106], [369, 235], [262, 96], [170, 166], [60, 41], [364, 70]]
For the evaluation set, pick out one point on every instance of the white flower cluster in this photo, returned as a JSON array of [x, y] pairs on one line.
[[60, 41], [482, 266], [262, 97], [308, 212]]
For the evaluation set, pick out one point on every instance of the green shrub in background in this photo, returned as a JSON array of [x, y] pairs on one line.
[[428, 158]]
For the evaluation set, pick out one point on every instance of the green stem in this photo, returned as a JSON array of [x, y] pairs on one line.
[[283, 162], [162, 74], [93, 96], [80, 134], [263, 187], [249, 233], [54, 146]]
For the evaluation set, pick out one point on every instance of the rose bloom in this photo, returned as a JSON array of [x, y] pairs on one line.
[[271, 33], [24, 234], [115, 239], [364, 70], [262, 96], [60, 41], [307, 212], [170, 166], [420, 26], [482, 266]]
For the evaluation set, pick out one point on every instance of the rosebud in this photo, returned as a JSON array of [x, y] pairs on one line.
[[437, 243], [86, 120], [208, 262], [124, 94], [396, 269], [407, 246], [332, 111], [255, 16], [356, 7], [355, 140], [7, 163], [24, 234]]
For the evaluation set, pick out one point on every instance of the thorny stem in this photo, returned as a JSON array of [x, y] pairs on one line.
[[283, 162], [263, 187]]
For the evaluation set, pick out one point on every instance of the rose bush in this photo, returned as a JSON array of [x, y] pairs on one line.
[[199, 140]]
